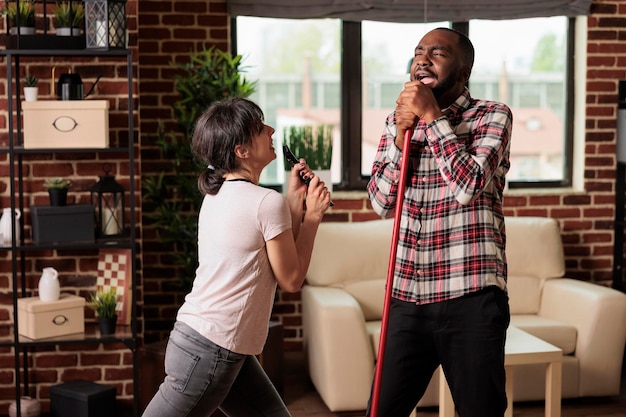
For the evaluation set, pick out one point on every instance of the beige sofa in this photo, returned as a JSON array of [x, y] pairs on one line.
[[343, 300]]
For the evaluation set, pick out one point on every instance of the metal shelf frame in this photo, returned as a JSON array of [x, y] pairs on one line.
[[20, 250]]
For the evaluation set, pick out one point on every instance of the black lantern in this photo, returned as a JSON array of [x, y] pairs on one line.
[[107, 197], [105, 24]]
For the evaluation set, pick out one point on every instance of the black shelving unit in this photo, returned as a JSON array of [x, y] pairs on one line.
[[620, 189], [22, 249], [618, 225]]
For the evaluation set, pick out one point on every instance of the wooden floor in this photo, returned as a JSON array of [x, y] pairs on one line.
[[303, 401]]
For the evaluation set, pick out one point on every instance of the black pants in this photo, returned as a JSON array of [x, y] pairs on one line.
[[465, 336]]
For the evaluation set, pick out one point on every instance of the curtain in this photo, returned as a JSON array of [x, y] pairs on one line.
[[407, 11]]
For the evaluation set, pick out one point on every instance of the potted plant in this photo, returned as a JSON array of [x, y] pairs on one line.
[[21, 16], [68, 17], [211, 74], [314, 143], [104, 304], [57, 190], [30, 88]]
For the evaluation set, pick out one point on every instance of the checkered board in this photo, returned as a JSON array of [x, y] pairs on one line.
[[114, 270]]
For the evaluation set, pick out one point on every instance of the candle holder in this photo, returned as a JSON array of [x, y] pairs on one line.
[[105, 24], [107, 197]]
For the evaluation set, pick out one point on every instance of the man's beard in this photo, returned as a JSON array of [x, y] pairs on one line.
[[443, 87]]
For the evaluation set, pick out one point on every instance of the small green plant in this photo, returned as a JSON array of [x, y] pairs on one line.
[[57, 182], [21, 14], [172, 196], [69, 14], [313, 143], [104, 303], [31, 80]]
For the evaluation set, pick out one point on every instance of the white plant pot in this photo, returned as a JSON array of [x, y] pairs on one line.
[[30, 93], [324, 174], [29, 407], [23, 30], [68, 31], [286, 181]]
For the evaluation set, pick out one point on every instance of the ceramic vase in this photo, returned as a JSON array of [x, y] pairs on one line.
[[49, 287], [29, 407], [6, 226]]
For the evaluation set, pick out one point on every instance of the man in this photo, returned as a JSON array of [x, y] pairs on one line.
[[449, 304]]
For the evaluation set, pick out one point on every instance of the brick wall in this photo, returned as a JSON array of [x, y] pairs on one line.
[[586, 216], [164, 31], [168, 32], [50, 365]]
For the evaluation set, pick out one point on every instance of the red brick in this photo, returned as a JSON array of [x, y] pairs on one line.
[[168, 30], [56, 360], [544, 200], [100, 359]]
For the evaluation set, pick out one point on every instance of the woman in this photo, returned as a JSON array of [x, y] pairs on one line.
[[249, 240]]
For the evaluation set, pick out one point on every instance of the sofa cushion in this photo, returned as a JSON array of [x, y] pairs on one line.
[[373, 330], [524, 293], [534, 253], [534, 247], [556, 333], [370, 295], [351, 251]]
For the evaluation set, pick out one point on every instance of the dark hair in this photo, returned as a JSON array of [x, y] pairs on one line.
[[223, 126], [465, 45]]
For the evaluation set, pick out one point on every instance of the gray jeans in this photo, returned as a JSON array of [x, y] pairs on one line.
[[202, 377]]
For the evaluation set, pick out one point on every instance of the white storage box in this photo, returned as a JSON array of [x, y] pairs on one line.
[[58, 124], [41, 319]]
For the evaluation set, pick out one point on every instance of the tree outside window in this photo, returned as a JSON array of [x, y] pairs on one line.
[[519, 62]]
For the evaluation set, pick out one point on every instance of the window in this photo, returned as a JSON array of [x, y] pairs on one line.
[[387, 52], [297, 64], [349, 74], [523, 64]]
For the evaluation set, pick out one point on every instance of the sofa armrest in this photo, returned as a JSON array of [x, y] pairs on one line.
[[338, 348], [599, 315]]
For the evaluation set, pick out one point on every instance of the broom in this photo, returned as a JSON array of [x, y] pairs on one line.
[[404, 168]]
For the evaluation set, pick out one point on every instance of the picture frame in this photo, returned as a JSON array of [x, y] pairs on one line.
[[114, 270]]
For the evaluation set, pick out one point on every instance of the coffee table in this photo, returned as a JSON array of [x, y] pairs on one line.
[[521, 348]]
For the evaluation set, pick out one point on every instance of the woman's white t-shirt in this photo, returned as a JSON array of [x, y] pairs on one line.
[[233, 291]]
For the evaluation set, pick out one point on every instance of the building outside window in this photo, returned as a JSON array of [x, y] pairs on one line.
[[522, 62]]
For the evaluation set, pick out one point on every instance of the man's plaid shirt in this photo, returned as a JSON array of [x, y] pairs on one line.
[[452, 235]]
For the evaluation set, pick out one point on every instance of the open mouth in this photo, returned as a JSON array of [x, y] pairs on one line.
[[425, 77]]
